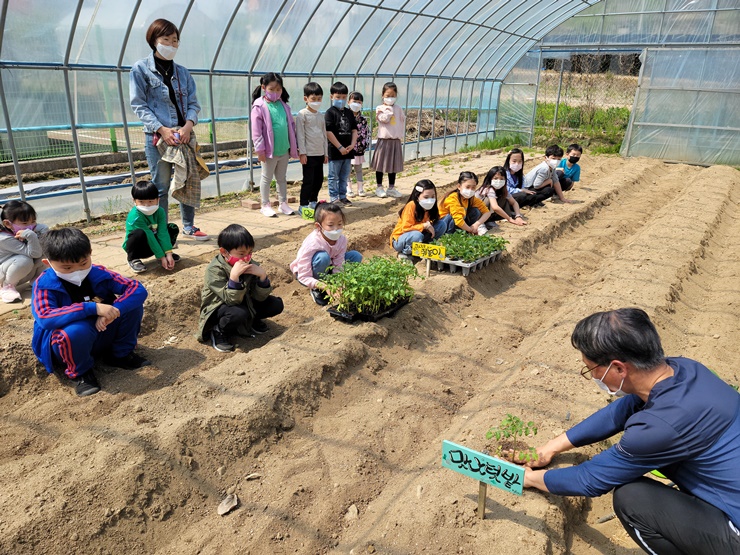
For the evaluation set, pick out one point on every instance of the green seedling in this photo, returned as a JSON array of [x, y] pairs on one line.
[[467, 247], [513, 429]]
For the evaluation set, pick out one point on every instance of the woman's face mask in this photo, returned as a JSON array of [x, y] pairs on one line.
[[167, 52]]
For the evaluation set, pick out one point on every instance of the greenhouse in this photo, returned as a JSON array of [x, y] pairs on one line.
[[469, 71]]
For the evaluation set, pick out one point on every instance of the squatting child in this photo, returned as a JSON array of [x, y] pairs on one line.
[[468, 212], [147, 231], [82, 310], [569, 171], [236, 295], [325, 246], [543, 179], [20, 248]]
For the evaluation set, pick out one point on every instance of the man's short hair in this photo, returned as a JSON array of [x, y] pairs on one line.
[[625, 334], [235, 236], [554, 150], [68, 244], [338, 88], [312, 88]]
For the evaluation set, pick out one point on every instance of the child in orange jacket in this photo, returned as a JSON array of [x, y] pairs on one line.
[[468, 212]]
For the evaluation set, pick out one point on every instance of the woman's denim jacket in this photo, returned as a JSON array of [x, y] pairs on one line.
[[150, 97]]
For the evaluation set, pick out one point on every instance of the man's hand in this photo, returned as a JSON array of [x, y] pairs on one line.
[[109, 312]]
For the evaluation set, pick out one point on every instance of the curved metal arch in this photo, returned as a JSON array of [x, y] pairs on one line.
[[264, 37], [489, 16], [72, 31], [217, 53], [457, 51], [186, 14], [328, 37], [124, 43], [300, 35], [359, 33], [413, 44]]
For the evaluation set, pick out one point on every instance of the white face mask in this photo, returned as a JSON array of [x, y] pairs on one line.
[[333, 234], [427, 203], [515, 167], [147, 210], [467, 193], [315, 105], [389, 100], [552, 163], [75, 278], [498, 183], [355, 106], [167, 52], [603, 386]]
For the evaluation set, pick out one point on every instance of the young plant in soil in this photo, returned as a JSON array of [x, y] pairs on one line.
[[371, 286], [510, 435], [467, 247]]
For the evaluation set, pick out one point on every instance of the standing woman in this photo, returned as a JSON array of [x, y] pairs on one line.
[[162, 95]]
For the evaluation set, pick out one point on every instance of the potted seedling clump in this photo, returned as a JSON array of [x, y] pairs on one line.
[[510, 443], [467, 247], [369, 290]]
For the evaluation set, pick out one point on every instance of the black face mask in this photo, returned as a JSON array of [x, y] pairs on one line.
[[574, 159]]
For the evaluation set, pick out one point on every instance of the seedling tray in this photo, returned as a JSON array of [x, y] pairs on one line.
[[465, 267], [350, 317]]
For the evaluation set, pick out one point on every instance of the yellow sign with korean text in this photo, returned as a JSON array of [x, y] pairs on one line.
[[424, 250]]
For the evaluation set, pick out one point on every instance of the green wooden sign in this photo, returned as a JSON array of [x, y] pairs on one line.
[[484, 468]]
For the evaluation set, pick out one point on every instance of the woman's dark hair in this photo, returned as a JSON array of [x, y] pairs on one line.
[[235, 236], [464, 176], [160, 28], [325, 208], [16, 210], [265, 80], [518, 176], [389, 86], [144, 190], [495, 170], [419, 188], [68, 244], [625, 334], [356, 95]]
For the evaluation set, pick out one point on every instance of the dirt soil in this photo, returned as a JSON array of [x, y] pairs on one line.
[[330, 433]]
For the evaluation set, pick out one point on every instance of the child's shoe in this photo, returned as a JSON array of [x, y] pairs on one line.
[[8, 294], [259, 327], [195, 233], [319, 297], [393, 192], [312, 205], [344, 202], [482, 230], [175, 257], [131, 361], [138, 266], [87, 384], [379, 191], [219, 340], [360, 190], [306, 212], [350, 193], [267, 211], [287, 210]]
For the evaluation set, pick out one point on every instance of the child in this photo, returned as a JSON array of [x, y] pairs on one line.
[[313, 151], [495, 195], [419, 220], [467, 211], [236, 294], [325, 246], [81, 310], [341, 132], [543, 179], [388, 155], [514, 166], [569, 172], [20, 249], [274, 138], [363, 140], [147, 231]]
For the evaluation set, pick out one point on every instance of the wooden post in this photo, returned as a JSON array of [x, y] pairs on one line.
[[482, 486], [429, 266]]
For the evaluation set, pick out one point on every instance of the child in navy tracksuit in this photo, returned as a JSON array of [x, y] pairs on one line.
[[81, 310]]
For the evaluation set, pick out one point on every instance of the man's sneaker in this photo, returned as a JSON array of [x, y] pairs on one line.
[[131, 361], [379, 191], [319, 297], [360, 192], [345, 201], [307, 213], [287, 210], [219, 340], [267, 211], [259, 327], [87, 384], [8, 294], [195, 233], [350, 194], [175, 257], [393, 192], [137, 265]]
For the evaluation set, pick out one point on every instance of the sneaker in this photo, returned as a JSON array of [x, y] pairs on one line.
[[8, 294], [406, 258], [319, 297], [219, 340], [131, 361], [87, 384], [312, 205], [482, 230], [259, 327], [287, 210], [307, 213], [137, 265], [345, 201], [393, 192], [379, 191], [361, 192], [267, 211], [195, 233], [539, 205], [175, 257], [350, 194]]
